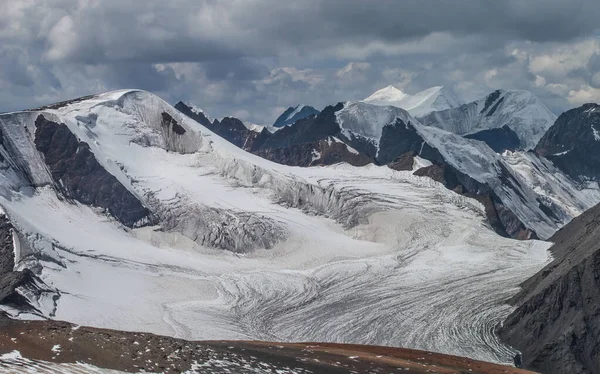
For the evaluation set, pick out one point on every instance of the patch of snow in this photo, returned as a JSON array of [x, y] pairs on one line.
[[596, 134], [563, 153], [419, 163], [315, 155]]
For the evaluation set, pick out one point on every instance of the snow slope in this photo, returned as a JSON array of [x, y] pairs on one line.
[[420, 104], [362, 255], [520, 110], [367, 120]]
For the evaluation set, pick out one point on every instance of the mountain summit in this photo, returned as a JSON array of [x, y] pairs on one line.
[[293, 114], [520, 110], [427, 101]]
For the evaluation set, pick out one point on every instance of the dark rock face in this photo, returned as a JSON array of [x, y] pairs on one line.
[[306, 130], [284, 119], [490, 99], [316, 140], [396, 140], [9, 279], [234, 130], [404, 162], [310, 143], [230, 129], [499, 140], [196, 116], [556, 325], [322, 152], [573, 143], [76, 171], [169, 121]]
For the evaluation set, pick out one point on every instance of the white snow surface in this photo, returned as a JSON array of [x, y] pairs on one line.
[[420, 104], [523, 112], [359, 255], [596, 133]]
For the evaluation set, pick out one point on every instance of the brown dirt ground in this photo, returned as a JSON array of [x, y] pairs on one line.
[[135, 352]]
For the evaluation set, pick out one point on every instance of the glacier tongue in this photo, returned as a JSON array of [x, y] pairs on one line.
[[339, 253]]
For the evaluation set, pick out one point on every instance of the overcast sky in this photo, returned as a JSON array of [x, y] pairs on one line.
[[253, 58]]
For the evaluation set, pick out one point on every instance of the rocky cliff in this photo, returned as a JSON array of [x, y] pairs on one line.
[[556, 325]]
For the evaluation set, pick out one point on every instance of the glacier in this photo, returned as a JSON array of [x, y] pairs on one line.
[[237, 247]]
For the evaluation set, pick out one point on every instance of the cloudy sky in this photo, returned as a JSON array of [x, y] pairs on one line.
[[253, 58]]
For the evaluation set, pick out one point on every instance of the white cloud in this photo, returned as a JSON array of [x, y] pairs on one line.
[[62, 39], [584, 95], [564, 59], [353, 70]]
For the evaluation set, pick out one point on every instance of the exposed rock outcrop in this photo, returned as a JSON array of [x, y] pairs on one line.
[[556, 325], [573, 143], [9, 278], [76, 171]]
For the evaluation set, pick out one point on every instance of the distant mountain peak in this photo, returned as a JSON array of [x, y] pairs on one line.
[[293, 114], [388, 93], [432, 99], [520, 110]]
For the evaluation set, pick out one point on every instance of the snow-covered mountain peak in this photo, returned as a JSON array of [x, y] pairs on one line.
[[368, 120], [389, 93], [520, 110], [429, 100], [293, 114]]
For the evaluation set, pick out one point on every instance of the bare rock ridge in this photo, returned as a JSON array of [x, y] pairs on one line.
[[573, 143], [75, 169], [229, 128], [556, 325]]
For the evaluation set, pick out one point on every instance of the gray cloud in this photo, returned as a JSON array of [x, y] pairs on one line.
[[258, 56]]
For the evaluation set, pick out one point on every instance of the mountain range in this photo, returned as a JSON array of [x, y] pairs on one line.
[[122, 212]]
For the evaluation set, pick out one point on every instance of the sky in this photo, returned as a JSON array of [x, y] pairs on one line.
[[253, 58]]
